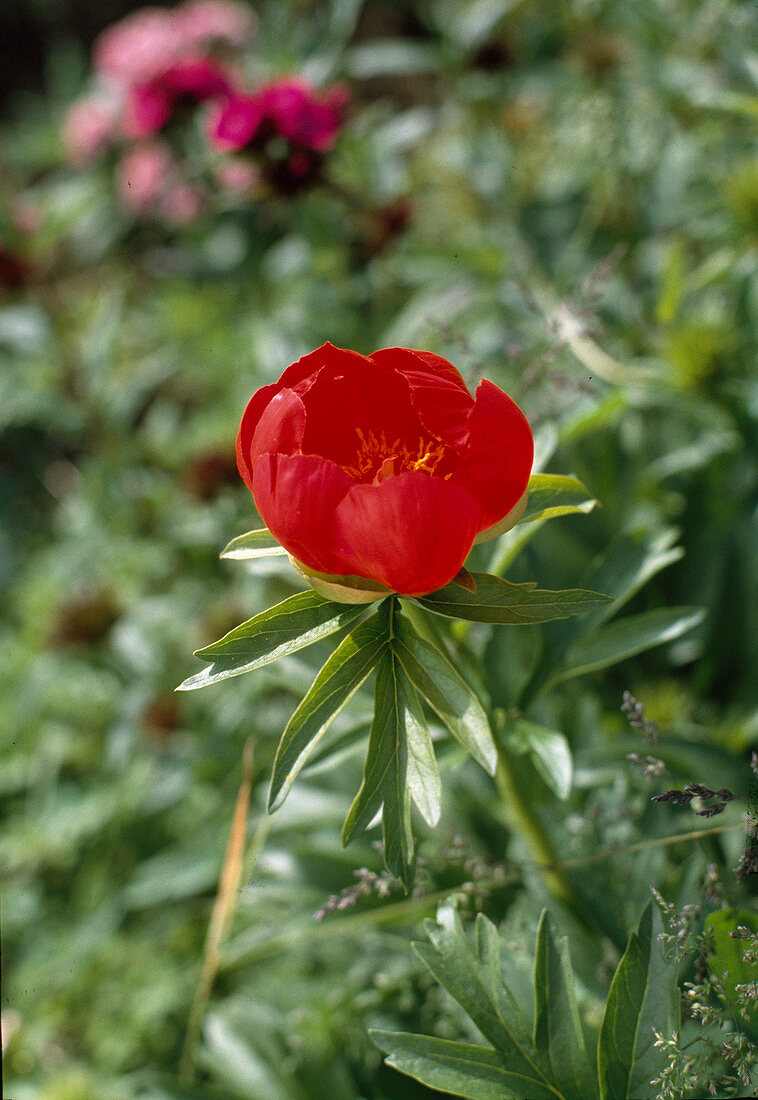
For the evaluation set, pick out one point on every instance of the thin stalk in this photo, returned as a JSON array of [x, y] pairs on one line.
[[521, 811]]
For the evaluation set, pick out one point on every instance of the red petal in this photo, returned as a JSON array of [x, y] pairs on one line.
[[438, 393], [281, 426], [297, 497], [295, 374], [411, 533], [353, 392], [497, 461]]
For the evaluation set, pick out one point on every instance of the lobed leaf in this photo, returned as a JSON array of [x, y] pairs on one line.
[[460, 1069], [499, 601], [298, 621], [446, 692], [423, 774], [385, 776], [336, 683], [472, 980]]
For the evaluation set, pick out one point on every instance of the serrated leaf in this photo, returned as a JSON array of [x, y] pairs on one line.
[[727, 961], [643, 996], [385, 776], [336, 683], [626, 637], [424, 779], [446, 692], [552, 495], [296, 622], [549, 751], [253, 544], [557, 1026], [499, 601], [460, 1069]]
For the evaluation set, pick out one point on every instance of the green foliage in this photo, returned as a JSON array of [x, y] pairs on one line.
[[559, 198], [552, 1060]]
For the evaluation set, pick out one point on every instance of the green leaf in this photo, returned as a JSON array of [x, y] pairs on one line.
[[253, 544], [627, 567], [336, 683], [424, 780], [727, 961], [629, 636], [475, 982], [557, 1026], [297, 622], [499, 601], [385, 776], [643, 996], [552, 495], [446, 692], [549, 751], [461, 1069]]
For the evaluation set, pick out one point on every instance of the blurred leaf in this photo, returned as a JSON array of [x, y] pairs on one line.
[[557, 1027], [552, 495], [296, 622], [499, 601], [336, 683], [446, 692], [549, 752], [390, 57], [253, 544], [727, 961], [627, 637], [643, 996]]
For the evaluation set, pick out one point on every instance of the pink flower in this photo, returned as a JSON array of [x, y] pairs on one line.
[[89, 129], [234, 122], [141, 47], [303, 117], [204, 21], [236, 176], [143, 175], [181, 204], [149, 106]]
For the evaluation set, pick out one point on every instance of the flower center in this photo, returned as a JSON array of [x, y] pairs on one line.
[[376, 459]]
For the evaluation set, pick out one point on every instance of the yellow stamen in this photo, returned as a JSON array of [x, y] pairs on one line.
[[376, 459]]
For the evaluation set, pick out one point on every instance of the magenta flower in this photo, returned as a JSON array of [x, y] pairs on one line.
[[303, 117], [150, 106], [234, 122]]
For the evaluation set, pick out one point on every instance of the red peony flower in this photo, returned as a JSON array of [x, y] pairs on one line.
[[377, 473]]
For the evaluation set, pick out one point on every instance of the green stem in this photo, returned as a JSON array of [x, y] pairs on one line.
[[522, 813]]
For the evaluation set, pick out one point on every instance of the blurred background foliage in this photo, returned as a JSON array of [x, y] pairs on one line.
[[561, 197]]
